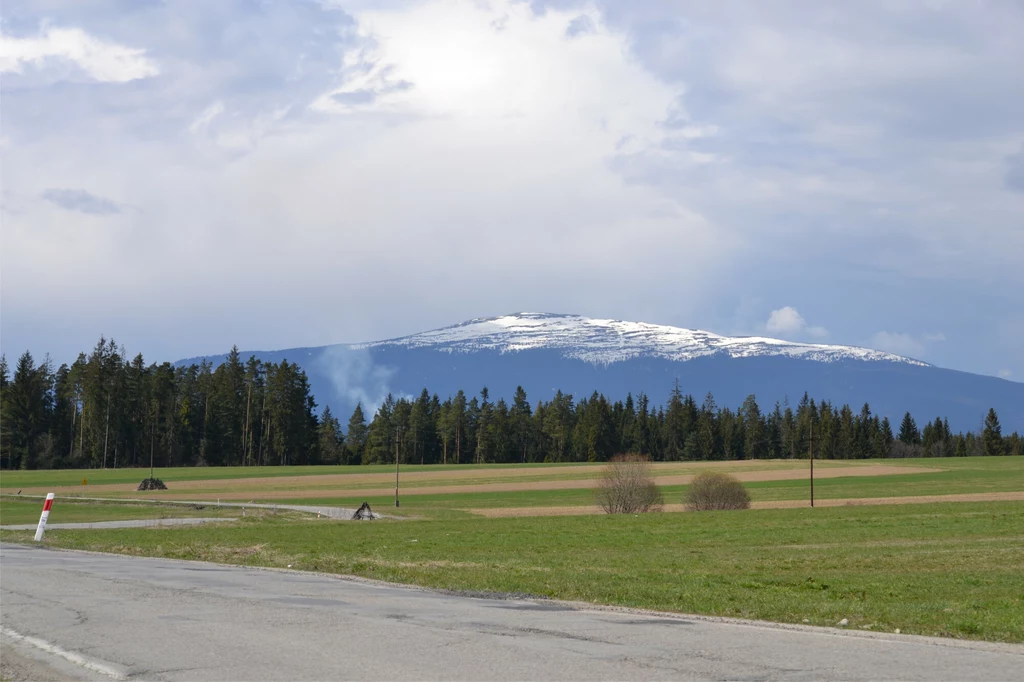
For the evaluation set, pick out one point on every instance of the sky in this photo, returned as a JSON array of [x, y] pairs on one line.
[[187, 176]]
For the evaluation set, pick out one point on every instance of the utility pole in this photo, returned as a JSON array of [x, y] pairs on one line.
[[398, 432], [812, 464]]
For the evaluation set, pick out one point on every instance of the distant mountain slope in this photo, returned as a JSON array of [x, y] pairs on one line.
[[545, 352], [607, 341]]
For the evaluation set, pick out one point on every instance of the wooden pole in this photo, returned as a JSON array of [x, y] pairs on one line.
[[812, 464]]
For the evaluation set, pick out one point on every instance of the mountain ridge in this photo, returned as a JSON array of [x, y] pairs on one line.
[[546, 352], [668, 342]]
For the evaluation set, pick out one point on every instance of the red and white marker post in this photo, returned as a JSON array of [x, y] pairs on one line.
[[42, 519]]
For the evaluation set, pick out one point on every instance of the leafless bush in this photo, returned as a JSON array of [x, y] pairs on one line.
[[627, 487], [713, 491], [901, 450]]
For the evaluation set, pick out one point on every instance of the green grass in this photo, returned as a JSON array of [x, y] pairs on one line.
[[63, 477], [957, 476], [16, 512], [961, 476], [937, 569]]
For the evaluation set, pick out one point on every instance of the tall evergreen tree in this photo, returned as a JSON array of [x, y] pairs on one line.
[[355, 436], [992, 436], [519, 416], [673, 437], [908, 431], [707, 430], [5, 429], [26, 411], [755, 442], [329, 439]]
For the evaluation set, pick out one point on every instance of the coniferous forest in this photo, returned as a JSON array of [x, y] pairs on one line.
[[106, 410]]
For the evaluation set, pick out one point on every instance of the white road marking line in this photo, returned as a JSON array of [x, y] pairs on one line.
[[71, 656]]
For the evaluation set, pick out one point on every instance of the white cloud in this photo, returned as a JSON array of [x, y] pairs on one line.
[[1004, 374], [524, 85], [203, 120], [787, 322], [456, 154], [441, 160], [906, 344], [899, 343], [102, 61]]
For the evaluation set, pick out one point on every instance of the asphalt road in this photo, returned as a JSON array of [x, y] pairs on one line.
[[157, 619]]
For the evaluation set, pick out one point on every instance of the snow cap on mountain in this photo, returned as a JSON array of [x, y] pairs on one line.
[[603, 342]]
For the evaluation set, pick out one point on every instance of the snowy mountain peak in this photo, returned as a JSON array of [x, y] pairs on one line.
[[602, 342]]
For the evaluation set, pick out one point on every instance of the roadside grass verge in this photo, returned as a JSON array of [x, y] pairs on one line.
[[16, 512], [949, 570]]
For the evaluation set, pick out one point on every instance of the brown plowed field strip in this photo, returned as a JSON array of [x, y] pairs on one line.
[[352, 485], [780, 504]]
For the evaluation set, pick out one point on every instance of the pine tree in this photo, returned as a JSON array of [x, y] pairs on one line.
[[908, 431], [754, 438], [5, 437], [458, 419], [329, 438], [355, 436], [992, 436], [558, 425], [707, 429], [882, 439], [485, 445], [673, 437], [421, 431], [505, 448], [520, 415], [26, 412]]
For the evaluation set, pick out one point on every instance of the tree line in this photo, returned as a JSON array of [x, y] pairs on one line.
[[105, 410]]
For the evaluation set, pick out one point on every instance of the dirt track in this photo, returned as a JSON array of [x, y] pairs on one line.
[[780, 504]]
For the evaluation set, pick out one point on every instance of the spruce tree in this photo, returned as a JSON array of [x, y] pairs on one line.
[[673, 437], [355, 437], [754, 444], [519, 415], [908, 431], [992, 436], [329, 438], [5, 439]]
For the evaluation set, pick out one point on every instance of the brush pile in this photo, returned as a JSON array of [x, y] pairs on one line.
[[152, 484]]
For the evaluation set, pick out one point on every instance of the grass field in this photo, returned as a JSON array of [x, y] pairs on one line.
[[431, 490], [16, 512], [949, 569], [74, 477]]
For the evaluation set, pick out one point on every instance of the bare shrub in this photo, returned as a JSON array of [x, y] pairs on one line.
[[901, 450], [627, 487], [713, 491]]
